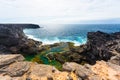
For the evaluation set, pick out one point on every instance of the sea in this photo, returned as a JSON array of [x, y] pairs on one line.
[[76, 33]]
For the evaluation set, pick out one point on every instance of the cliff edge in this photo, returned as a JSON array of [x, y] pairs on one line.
[[13, 67], [13, 39]]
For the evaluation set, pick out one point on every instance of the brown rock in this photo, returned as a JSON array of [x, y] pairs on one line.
[[115, 60], [82, 71], [17, 69], [5, 77], [106, 71], [40, 70], [8, 59]]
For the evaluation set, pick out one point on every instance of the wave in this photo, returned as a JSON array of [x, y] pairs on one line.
[[47, 41]]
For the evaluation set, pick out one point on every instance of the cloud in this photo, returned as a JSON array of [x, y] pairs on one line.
[[58, 11]]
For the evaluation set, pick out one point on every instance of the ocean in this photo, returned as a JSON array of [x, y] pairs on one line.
[[76, 33]]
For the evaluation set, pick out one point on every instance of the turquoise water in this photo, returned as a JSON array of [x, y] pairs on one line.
[[76, 33]]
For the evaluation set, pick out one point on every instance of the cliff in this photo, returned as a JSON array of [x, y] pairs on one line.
[[13, 67], [100, 46], [21, 25], [13, 39]]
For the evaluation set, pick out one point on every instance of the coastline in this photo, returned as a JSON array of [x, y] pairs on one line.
[[100, 46], [50, 42]]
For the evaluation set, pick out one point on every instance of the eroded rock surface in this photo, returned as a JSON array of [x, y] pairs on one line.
[[13, 39], [102, 46], [18, 69], [106, 70], [115, 60], [8, 59], [99, 46], [100, 71]]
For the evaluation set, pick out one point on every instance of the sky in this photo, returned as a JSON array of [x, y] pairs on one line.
[[59, 11]]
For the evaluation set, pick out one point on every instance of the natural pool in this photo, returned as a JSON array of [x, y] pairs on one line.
[[43, 58]]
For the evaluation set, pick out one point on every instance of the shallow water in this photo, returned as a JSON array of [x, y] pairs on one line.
[[50, 34]]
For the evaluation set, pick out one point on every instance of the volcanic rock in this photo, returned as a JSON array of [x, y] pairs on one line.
[[13, 39]]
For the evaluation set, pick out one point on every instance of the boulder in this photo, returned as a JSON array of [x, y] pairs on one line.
[[17, 69], [41, 70], [82, 71], [30, 46], [8, 59], [46, 72]]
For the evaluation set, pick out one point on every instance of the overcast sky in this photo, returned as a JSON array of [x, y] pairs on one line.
[[58, 11]]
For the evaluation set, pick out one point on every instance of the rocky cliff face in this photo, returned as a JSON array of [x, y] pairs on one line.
[[12, 38], [99, 46], [18, 69], [102, 46], [21, 25], [13, 67]]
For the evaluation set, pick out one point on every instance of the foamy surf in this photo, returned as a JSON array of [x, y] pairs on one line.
[[55, 40], [75, 33]]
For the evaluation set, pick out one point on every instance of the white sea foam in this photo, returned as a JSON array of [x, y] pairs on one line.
[[56, 40], [32, 37]]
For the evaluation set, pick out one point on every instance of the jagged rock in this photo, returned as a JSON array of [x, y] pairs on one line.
[[82, 71], [17, 69], [8, 59], [102, 46], [46, 72], [99, 46], [13, 39], [106, 70], [13, 65], [115, 60], [100, 71], [10, 36], [22, 70], [30, 46]]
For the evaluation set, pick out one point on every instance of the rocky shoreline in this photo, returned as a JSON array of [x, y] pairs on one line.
[[13, 39], [98, 59], [13, 67]]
